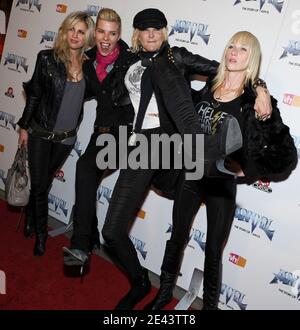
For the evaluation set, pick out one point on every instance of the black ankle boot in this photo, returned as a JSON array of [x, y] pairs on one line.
[[165, 292], [139, 289], [40, 244]]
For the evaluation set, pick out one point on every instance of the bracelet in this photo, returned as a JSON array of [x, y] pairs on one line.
[[259, 82]]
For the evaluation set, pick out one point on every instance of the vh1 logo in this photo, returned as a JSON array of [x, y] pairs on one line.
[[2, 282]]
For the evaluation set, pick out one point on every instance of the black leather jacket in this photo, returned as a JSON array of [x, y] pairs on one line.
[[44, 91], [165, 69], [113, 103]]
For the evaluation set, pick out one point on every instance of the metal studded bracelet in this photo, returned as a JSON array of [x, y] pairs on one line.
[[259, 82]]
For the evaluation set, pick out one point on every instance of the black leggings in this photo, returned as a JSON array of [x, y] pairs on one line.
[[44, 159], [219, 196]]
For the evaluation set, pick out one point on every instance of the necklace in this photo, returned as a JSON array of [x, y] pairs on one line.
[[74, 74], [226, 92], [217, 100]]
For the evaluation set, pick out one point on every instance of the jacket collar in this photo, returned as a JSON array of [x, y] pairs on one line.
[[91, 53]]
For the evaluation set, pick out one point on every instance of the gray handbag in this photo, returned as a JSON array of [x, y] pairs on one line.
[[17, 184]]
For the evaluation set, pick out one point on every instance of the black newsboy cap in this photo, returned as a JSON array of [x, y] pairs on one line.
[[149, 18]]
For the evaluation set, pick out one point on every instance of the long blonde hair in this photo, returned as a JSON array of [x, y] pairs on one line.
[[245, 38], [136, 45], [61, 47]]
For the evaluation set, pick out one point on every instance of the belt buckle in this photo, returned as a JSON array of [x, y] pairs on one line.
[[51, 137]]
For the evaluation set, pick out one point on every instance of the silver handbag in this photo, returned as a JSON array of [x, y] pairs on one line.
[[17, 184]]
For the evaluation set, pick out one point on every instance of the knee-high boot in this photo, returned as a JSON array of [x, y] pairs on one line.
[[140, 287], [41, 236], [169, 273], [212, 283]]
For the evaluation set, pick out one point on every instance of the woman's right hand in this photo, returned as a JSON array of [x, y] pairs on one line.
[[23, 137]]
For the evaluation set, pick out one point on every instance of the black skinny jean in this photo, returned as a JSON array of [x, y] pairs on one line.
[[44, 159]]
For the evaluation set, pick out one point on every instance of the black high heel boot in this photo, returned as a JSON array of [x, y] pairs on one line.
[[95, 243], [211, 283], [169, 273], [40, 244], [226, 139], [165, 292], [29, 229], [140, 287], [95, 235], [41, 236], [29, 224]]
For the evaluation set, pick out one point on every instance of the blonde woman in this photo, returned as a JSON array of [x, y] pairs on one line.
[[268, 152], [51, 116]]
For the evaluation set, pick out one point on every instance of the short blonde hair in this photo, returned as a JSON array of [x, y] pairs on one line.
[[110, 15], [136, 45], [61, 48], [245, 38]]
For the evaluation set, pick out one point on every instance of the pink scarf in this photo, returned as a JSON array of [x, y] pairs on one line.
[[104, 61]]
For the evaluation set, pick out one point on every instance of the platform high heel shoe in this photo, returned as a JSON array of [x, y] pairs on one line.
[[75, 257]]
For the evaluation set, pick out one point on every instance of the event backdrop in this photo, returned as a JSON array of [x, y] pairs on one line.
[[262, 257]]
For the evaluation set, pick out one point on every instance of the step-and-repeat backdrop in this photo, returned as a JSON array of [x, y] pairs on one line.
[[262, 257]]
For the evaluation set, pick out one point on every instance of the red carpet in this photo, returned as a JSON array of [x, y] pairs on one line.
[[40, 283]]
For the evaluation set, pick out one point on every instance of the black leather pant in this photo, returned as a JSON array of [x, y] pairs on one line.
[[128, 196], [44, 159]]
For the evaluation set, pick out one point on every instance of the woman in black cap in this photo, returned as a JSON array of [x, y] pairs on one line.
[[162, 102]]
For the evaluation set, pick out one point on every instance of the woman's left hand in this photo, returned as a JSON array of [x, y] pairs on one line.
[[233, 166], [263, 106]]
